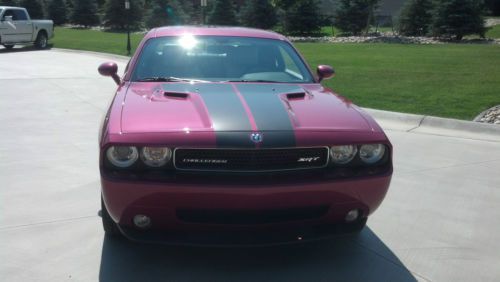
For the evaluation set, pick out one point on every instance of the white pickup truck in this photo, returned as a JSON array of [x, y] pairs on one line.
[[16, 27]]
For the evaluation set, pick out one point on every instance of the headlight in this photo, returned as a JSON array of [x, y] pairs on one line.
[[343, 154], [156, 156], [122, 156], [371, 153]]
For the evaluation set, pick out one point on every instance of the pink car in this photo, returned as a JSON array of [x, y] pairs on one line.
[[221, 135]]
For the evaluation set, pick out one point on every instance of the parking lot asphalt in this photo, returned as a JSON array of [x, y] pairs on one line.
[[439, 221]]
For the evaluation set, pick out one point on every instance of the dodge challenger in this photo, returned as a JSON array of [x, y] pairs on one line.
[[224, 135]]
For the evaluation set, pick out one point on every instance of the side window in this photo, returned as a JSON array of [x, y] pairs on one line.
[[20, 15], [290, 66], [9, 13]]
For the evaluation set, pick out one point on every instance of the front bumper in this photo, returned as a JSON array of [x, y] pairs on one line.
[[195, 213]]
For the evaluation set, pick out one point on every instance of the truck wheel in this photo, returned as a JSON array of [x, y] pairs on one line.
[[41, 40], [110, 227], [8, 46]]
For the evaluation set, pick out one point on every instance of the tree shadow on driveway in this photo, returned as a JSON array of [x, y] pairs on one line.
[[348, 258]]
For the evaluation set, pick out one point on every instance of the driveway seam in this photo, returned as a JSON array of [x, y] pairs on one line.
[[419, 124], [46, 222]]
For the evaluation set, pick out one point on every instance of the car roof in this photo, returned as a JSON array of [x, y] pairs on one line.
[[215, 31]]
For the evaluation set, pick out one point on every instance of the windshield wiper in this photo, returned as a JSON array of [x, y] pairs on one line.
[[253, 80], [168, 79]]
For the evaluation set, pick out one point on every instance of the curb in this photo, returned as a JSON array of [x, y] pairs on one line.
[[436, 125], [98, 54]]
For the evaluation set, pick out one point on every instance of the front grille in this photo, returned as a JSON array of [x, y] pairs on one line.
[[250, 160]]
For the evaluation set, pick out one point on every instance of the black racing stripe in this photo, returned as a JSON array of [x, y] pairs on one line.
[[270, 113], [231, 124]]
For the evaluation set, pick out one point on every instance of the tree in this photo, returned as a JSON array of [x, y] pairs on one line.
[[85, 13], [458, 18], [192, 15], [58, 11], [493, 6], [34, 7], [165, 12], [117, 17], [416, 18], [303, 18], [353, 16], [9, 3], [259, 14], [223, 13]]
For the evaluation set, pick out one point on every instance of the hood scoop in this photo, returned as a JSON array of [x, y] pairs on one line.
[[177, 95], [296, 96]]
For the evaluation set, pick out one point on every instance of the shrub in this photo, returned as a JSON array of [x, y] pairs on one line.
[[117, 17], [58, 11], [303, 18], [34, 7], [9, 3], [223, 13], [458, 18], [259, 14], [416, 18], [165, 12], [354, 16], [85, 13]]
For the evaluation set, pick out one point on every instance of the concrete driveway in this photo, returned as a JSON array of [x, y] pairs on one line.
[[439, 222]]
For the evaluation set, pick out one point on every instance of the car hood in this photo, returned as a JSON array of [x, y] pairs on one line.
[[236, 107]]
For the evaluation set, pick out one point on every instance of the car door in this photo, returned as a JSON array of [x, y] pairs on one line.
[[24, 27], [7, 27]]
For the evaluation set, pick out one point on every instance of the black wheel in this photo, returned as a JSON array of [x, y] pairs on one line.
[[41, 40], [8, 46], [110, 227]]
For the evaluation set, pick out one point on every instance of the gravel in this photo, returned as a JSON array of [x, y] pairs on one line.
[[491, 115], [389, 37]]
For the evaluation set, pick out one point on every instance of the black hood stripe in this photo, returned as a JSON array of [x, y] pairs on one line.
[[269, 112], [228, 116], [230, 119]]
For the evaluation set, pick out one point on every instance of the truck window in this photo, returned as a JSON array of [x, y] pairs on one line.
[[17, 15], [9, 13], [20, 15]]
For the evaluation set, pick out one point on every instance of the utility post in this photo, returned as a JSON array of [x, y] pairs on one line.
[[127, 8], [203, 5]]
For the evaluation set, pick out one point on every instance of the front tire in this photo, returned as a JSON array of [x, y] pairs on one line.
[[8, 46], [110, 227], [41, 41]]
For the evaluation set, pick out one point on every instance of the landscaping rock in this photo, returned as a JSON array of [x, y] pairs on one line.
[[491, 115], [491, 22], [390, 37]]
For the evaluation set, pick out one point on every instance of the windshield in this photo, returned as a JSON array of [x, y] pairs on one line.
[[220, 58]]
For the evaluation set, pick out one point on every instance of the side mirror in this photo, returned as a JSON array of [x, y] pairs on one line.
[[7, 18], [110, 69], [325, 72]]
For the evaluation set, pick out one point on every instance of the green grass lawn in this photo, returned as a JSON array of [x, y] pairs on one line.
[[93, 40], [449, 80], [493, 32]]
